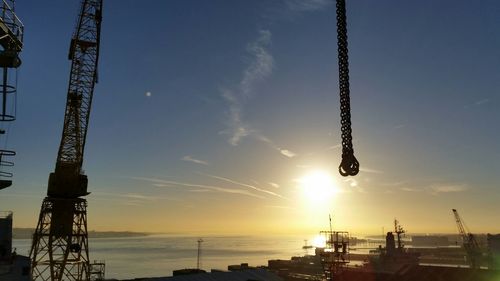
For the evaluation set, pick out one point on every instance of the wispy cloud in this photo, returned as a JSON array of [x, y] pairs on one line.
[[352, 182], [168, 183], [353, 186], [395, 184], [337, 146], [447, 188], [260, 67], [200, 190], [273, 184], [130, 199], [132, 203], [371, 171], [481, 102], [410, 189], [434, 189], [189, 158], [288, 153], [307, 5], [246, 185], [399, 126], [283, 151], [139, 196], [237, 129], [162, 185], [280, 207]]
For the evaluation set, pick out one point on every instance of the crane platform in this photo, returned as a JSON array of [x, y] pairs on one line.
[[11, 28]]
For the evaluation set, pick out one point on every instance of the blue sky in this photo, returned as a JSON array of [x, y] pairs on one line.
[[208, 114]]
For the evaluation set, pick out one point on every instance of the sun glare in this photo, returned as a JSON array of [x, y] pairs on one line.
[[318, 186], [319, 241]]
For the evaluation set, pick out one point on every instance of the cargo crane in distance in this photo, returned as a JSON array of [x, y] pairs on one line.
[[469, 241], [60, 243]]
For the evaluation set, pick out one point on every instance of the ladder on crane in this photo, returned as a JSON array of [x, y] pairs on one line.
[[11, 43]]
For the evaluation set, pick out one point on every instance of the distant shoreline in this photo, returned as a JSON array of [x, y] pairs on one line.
[[27, 233]]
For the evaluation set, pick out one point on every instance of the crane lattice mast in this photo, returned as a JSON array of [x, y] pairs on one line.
[[469, 241], [60, 242]]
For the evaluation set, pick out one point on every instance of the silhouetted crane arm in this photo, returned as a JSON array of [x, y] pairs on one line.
[[68, 181], [469, 241]]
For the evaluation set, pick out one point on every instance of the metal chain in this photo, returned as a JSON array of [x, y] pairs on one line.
[[349, 165]]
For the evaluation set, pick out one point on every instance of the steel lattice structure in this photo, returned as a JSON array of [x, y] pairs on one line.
[[60, 242], [335, 256], [11, 44], [61, 252], [84, 55], [470, 243]]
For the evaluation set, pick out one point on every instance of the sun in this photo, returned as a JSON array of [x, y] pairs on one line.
[[318, 186], [319, 241]]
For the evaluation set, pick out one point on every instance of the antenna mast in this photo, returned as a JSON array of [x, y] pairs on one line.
[[198, 262]]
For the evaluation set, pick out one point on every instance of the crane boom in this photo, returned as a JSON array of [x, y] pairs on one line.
[[469, 241], [67, 181]]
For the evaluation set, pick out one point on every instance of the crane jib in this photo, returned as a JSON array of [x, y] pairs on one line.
[[67, 181]]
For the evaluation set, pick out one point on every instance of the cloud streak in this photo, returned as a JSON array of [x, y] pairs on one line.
[[371, 171], [307, 5], [273, 184], [139, 196], [447, 188], [481, 102], [260, 67], [246, 185], [130, 199], [189, 158], [283, 151], [196, 187], [280, 207]]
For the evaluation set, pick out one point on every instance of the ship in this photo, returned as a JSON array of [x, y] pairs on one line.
[[394, 262]]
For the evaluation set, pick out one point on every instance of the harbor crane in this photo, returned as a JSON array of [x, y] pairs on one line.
[[60, 243], [469, 241]]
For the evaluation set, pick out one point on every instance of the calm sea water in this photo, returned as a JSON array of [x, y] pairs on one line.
[[159, 255]]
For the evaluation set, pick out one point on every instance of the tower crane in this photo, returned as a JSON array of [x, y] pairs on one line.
[[469, 241], [60, 243]]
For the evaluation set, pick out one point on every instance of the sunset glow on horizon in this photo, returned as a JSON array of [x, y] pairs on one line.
[[222, 117]]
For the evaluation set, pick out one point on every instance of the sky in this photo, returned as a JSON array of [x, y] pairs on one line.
[[222, 116]]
